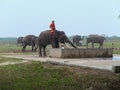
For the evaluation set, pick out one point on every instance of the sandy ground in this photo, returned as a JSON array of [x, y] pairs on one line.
[[95, 63]]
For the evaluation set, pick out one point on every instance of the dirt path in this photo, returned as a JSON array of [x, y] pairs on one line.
[[91, 62]]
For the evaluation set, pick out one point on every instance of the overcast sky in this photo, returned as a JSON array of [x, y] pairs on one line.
[[83, 17]]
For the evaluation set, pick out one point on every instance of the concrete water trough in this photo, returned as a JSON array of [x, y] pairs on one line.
[[81, 52], [116, 69]]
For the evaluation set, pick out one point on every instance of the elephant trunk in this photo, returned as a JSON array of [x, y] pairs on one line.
[[71, 43], [64, 39]]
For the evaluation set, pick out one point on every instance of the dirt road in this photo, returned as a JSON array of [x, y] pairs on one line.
[[90, 62]]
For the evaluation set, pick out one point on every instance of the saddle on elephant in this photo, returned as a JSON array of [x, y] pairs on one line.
[[52, 32]]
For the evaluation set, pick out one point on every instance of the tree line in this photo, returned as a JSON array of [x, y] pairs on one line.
[[13, 40]]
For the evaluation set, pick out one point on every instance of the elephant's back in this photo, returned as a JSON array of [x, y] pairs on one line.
[[28, 39], [44, 32], [44, 37]]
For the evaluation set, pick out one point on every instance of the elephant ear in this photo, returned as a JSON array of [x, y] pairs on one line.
[[61, 33], [62, 39], [61, 36]]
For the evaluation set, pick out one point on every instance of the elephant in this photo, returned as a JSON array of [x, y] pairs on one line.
[[95, 39], [30, 40], [19, 41], [45, 39], [76, 40]]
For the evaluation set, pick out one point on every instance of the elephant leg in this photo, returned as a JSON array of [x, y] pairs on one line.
[[44, 52], [101, 45], [57, 44], [23, 49], [32, 48], [92, 45], [36, 48], [87, 45], [40, 51], [77, 43]]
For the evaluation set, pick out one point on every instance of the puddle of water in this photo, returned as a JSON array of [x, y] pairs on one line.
[[116, 58]]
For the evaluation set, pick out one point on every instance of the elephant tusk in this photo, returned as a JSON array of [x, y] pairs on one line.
[[67, 45]]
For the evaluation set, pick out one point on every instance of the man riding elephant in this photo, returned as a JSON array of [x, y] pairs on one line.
[[58, 37], [52, 31], [52, 27]]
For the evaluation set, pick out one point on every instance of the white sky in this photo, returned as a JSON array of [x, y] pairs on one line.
[[83, 17]]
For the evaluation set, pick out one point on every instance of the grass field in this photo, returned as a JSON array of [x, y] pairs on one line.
[[116, 46], [17, 49], [3, 59], [35, 75], [46, 76]]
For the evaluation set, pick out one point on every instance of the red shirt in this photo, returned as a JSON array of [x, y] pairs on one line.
[[52, 26]]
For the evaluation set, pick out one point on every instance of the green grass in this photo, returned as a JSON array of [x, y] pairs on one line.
[[14, 48], [5, 48], [9, 47], [45, 76], [17, 49], [3, 59], [109, 45], [35, 75]]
